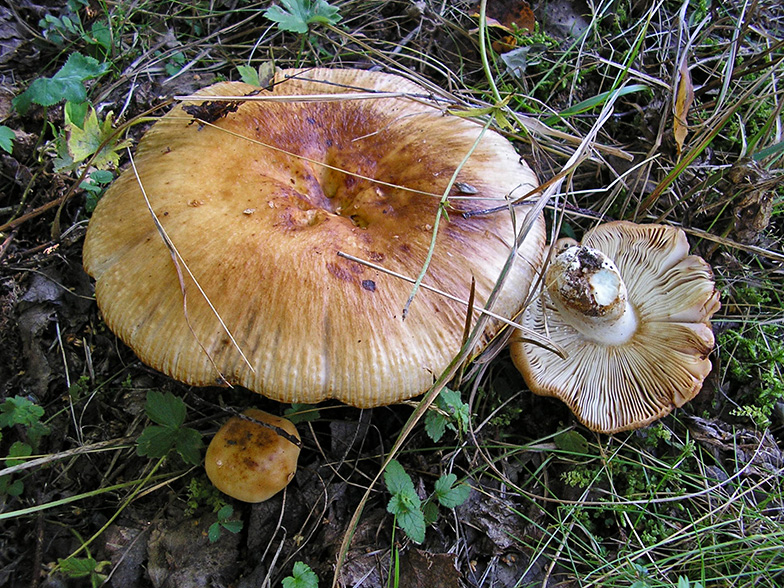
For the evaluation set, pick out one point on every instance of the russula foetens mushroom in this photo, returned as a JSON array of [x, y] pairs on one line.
[[250, 461], [259, 202], [632, 310]]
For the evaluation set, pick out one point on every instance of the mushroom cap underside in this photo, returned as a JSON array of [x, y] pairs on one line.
[[259, 203], [662, 366]]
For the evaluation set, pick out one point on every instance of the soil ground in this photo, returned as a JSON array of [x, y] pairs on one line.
[[56, 352]]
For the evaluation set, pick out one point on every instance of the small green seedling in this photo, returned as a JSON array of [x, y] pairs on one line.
[[405, 504], [94, 186], [301, 577], [453, 413], [20, 412], [158, 440], [411, 514], [84, 567], [68, 27], [224, 522], [295, 16], [301, 413]]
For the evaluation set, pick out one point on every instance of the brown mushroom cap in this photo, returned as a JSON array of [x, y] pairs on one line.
[[617, 379], [260, 202], [251, 462]]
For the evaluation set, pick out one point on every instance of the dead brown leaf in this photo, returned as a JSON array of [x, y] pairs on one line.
[[508, 17], [683, 101]]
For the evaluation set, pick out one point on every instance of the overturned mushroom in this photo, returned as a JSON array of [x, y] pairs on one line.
[[259, 199], [632, 310], [250, 461]]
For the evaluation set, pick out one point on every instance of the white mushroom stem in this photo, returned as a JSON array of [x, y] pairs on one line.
[[586, 288]]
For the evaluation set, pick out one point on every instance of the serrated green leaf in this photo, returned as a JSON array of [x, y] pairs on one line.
[[95, 137], [571, 441], [435, 425], [18, 449], [77, 567], [156, 441], [404, 502], [101, 176], [249, 75], [7, 138], [413, 523], [66, 84], [19, 411], [450, 495], [397, 479], [101, 34], [232, 526], [301, 577], [165, 409], [451, 402], [225, 512], [430, 510], [75, 113], [296, 15], [214, 532], [189, 445], [10, 488], [35, 432], [301, 413]]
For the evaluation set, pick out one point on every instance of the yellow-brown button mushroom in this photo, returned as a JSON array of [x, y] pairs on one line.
[[632, 310], [260, 197], [250, 461]]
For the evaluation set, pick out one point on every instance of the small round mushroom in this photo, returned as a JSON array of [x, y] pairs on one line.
[[261, 202], [631, 308], [250, 461]]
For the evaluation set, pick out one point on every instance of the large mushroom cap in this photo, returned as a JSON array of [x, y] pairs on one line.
[[634, 352], [260, 201]]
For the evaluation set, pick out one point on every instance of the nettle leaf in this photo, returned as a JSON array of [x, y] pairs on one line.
[[301, 577], [450, 495], [66, 84], [413, 523], [397, 479], [165, 409], [405, 504], [296, 15]]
